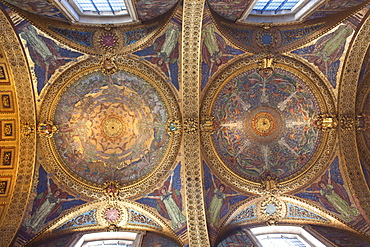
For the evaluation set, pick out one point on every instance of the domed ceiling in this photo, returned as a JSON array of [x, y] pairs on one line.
[[145, 9], [265, 123], [108, 130], [109, 126]]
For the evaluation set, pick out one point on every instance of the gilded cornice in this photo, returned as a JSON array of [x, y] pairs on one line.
[[362, 92], [25, 130], [347, 108]]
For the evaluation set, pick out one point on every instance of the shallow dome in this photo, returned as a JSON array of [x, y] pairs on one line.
[[108, 130], [264, 123]]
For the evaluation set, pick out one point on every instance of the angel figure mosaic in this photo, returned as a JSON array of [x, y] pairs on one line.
[[168, 200], [48, 205], [329, 191]]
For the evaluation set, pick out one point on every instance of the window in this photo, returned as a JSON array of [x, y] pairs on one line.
[[284, 236], [101, 6], [272, 11], [274, 5], [99, 11], [111, 239]]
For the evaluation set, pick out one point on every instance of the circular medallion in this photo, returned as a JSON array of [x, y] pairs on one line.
[[264, 123], [111, 127]]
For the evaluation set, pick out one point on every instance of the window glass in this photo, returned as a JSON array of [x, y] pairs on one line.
[[101, 5]]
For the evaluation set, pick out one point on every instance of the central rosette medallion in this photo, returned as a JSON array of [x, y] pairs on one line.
[[113, 127], [264, 124]]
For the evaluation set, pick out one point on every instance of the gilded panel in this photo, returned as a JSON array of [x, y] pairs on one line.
[[5, 183], [4, 77], [7, 130], [7, 102]]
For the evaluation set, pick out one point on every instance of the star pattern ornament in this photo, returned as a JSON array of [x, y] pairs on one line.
[[112, 214], [108, 41], [271, 209]]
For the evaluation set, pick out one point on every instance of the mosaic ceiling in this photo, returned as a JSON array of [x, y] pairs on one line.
[[265, 123], [108, 130], [190, 128]]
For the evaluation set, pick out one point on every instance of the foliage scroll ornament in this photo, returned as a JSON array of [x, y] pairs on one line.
[[266, 65], [174, 126], [207, 125], [108, 65], [27, 129], [347, 123]]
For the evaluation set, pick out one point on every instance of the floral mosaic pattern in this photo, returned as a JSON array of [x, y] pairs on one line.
[[265, 123], [111, 127]]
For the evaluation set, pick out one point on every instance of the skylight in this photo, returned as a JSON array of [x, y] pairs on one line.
[[275, 240], [99, 11], [275, 5], [284, 236], [99, 6], [274, 11], [105, 239]]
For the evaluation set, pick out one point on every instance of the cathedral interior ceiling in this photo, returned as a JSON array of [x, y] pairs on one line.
[[187, 125]]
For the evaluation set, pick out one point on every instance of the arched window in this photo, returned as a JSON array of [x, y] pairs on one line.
[[99, 11]]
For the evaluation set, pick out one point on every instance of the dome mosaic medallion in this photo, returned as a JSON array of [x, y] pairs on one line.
[[265, 123], [111, 127]]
